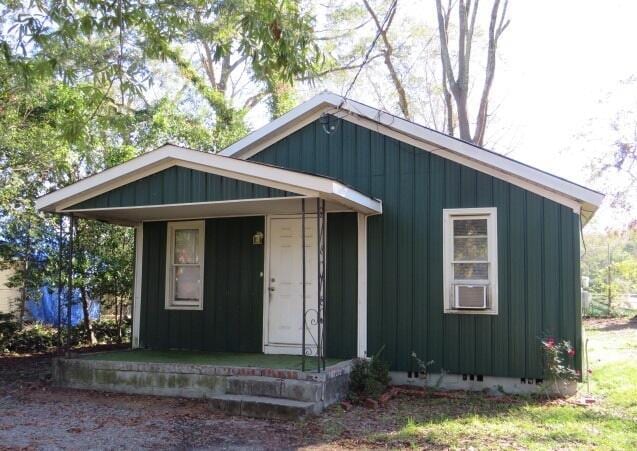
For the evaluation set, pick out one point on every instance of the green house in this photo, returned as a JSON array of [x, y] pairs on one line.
[[338, 230]]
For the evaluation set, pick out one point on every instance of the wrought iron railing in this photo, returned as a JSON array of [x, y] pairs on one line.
[[314, 317]]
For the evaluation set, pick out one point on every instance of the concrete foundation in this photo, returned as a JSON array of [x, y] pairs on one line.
[[508, 385], [255, 392]]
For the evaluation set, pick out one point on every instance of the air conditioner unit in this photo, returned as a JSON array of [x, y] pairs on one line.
[[470, 297]]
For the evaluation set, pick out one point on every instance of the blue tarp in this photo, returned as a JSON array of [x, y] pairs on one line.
[[45, 309]]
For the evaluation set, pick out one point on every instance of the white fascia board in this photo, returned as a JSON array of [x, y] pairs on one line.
[[467, 150], [146, 162], [294, 115], [527, 177], [169, 155]]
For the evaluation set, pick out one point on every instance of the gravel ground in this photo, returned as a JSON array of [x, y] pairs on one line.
[[34, 415], [40, 417]]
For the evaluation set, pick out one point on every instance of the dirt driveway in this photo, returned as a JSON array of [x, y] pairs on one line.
[[35, 415]]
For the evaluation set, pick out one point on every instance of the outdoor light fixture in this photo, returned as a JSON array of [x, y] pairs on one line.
[[328, 128], [257, 239]]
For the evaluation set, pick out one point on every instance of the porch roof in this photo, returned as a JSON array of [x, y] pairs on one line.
[[337, 195]]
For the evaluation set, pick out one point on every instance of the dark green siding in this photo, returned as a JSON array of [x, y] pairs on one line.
[[179, 185], [538, 253], [231, 319], [342, 285], [233, 289]]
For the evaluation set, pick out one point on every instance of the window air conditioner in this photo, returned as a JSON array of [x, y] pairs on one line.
[[470, 297]]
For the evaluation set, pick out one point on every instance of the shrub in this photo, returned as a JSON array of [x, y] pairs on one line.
[[106, 331], [369, 378], [33, 338], [557, 355], [8, 327]]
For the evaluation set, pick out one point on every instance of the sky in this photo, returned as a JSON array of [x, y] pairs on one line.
[[558, 84], [561, 85], [562, 62]]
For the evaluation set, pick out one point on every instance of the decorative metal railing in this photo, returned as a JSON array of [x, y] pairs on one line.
[[314, 318]]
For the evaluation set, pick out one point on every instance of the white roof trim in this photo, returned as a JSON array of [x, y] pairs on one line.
[[168, 155], [527, 177]]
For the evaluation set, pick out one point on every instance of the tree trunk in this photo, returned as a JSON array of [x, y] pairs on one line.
[[458, 85], [87, 320]]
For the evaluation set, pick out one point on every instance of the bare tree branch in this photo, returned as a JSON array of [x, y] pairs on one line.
[[347, 66], [496, 27], [403, 103]]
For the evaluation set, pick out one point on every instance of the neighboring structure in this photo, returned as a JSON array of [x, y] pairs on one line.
[[8, 296], [415, 242]]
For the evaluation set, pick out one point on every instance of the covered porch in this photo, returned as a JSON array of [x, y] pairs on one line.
[[275, 259]]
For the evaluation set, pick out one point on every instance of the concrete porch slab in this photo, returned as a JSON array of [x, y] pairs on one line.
[[231, 388]]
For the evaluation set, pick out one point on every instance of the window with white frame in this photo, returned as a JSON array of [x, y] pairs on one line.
[[184, 265], [470, 260]]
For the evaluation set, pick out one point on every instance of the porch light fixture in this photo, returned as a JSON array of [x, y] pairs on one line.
[[328, 128], [257, 239]]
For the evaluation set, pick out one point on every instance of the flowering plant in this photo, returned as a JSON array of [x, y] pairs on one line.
[[557, 356]]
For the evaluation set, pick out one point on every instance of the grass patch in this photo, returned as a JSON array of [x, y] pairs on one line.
[[533, 426], [521, 422], [288, 362]]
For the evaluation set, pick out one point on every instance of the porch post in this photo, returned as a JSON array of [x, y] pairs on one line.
[[321, 285], [137, 287], [60, 276], [362, 287], [303, 282], [69, 293]]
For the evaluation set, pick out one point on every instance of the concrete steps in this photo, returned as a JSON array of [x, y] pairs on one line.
[[292, 389], [269, 397], [263, 406]]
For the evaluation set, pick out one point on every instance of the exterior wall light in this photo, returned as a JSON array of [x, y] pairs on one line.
[[257, 239]]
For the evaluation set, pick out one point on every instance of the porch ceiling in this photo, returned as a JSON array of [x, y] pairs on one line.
[[244, 207]]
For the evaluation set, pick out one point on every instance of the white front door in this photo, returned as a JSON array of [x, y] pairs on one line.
[[284, 309]]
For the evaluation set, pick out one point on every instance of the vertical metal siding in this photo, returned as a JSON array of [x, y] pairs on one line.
[[231, 319], [342, 287], [538, 253], [179, 185]]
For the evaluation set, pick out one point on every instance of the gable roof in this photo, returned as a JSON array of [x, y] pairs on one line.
[[582, 200], [304, 184]]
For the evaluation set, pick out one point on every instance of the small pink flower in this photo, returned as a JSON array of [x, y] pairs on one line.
[[550, 342], [571, 352]]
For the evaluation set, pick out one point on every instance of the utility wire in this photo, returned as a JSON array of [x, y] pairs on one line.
[[388, 15]]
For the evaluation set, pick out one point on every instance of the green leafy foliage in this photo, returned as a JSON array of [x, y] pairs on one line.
[[369, 378], [610, 263], [107, 331], [34, 338], [558, 357]]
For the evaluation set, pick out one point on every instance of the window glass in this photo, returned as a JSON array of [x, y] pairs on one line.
[[471, 271], [470, 249], [186, 244], [187, 283], [469, 227], [184, 265]]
